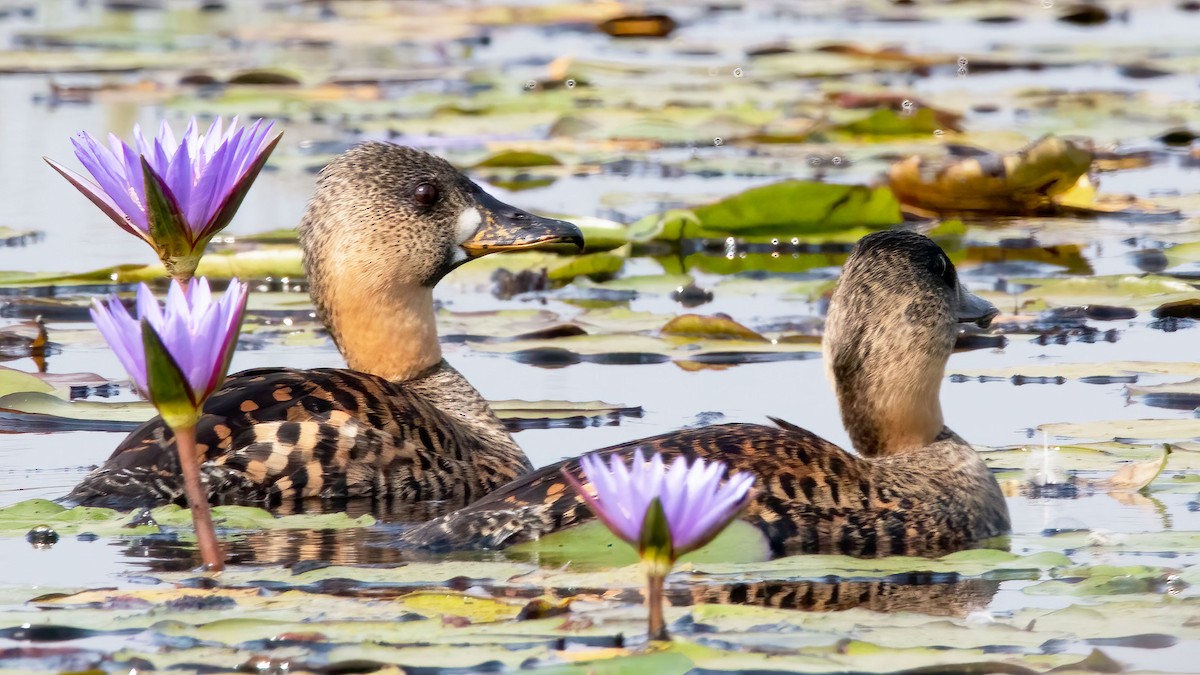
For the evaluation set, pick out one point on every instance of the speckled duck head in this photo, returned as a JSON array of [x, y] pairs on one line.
[[386, 223], [891, 327]]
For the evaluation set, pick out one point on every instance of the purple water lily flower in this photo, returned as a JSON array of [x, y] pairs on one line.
[[175, 194], [696, 504], [664, 512], [198, 332], [178, 356]]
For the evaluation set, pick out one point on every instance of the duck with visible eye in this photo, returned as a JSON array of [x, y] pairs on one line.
[[913, 488], [385, 224]]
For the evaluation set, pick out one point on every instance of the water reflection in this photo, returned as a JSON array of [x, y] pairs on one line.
[[307, 550]]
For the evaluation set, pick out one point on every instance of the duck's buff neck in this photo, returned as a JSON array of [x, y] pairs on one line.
[[389, 332], [887, 372]]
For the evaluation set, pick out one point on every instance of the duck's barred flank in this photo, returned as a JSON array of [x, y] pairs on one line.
[[811, 496], [914, 488], [272, 435], [385, 224]]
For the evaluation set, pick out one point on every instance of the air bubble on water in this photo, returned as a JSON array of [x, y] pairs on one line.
[[938, 132], [907, 104], [570, 84], [774, 242], [795, 241], [530, 84], [837, 160], [962, 62], [962, 72], [737, 72], [717, 141], [814, 160], [730, 247]]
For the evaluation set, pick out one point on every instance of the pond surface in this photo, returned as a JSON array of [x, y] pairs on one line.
[[645, 119]]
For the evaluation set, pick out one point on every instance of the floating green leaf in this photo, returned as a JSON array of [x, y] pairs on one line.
[[783, 208]]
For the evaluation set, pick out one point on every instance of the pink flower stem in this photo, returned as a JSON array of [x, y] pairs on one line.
[[654, 602], [206, 536]]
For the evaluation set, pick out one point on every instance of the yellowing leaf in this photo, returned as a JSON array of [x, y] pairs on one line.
[[1018, 183]]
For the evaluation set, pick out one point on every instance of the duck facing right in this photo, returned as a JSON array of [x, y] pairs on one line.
[[911, 487]]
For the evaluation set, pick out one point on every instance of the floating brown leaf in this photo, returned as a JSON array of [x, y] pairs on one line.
[[1019, 183]]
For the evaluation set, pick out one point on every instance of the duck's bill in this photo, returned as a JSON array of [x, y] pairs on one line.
[[974, 309], [507, 228]]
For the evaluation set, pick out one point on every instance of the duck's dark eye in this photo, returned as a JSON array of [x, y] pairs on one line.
[[946, 272], [426, 194]]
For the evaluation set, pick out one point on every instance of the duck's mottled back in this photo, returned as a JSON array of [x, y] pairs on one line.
[[915, 488], [385, 224]]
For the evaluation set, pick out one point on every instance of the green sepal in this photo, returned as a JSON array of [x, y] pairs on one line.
[[655, 545], [168, 226], [169, 389]]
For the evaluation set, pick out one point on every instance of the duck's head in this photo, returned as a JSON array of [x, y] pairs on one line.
[[385, 224], [891, 327]]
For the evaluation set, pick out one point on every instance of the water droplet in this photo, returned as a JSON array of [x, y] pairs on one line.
[[962, 72], [42, 537], [962, 62], [938, 132], [774, 242], [837, 160], [570, 84], [717, 141], [907, 104], [795, 241], [730, 247], [737, 72], [814, 160], [531, 84]]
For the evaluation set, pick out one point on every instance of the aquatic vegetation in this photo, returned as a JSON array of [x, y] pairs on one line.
[[736, 160], [665, 513], [177, 357], [174, 194]]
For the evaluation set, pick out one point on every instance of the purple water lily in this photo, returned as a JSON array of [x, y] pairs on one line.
[[664, 512], [198, 332], [175, 194], [178, 356], [696, 504]]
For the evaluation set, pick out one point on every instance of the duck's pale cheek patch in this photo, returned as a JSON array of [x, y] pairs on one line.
[[468, 223]]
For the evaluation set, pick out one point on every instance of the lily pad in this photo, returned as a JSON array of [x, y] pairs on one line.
[[21, 517], [783, 208]]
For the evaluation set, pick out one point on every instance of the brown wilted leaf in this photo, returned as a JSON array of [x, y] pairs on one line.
[[1019, 183]]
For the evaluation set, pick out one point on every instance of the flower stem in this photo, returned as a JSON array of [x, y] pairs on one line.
[[197, 498], [181, 268], [654, 602]]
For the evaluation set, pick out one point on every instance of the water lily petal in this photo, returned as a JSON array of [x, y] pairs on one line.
[[206, 176], [695, 502]]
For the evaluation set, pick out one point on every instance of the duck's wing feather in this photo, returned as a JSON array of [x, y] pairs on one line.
[[793, 467], [810, 496], [274, 434]]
